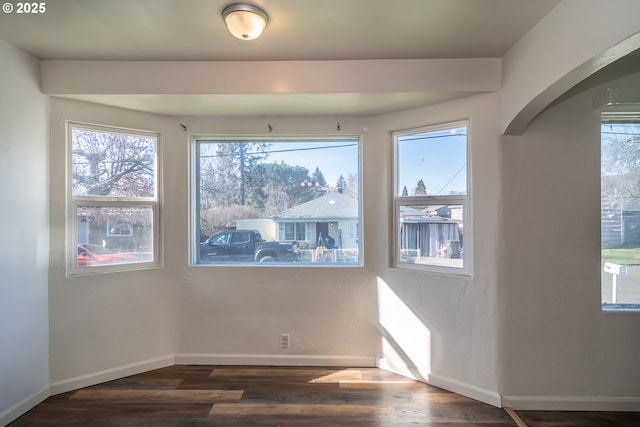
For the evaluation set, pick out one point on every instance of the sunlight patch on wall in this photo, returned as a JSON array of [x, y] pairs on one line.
[[406, 340]]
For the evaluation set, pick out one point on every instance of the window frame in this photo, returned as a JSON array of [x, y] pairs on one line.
[[194, 194], [306, 232], [119, 226], [614, 116], [464, 201], [74, 203]]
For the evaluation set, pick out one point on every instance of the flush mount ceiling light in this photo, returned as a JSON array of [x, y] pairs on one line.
[[245, 21]]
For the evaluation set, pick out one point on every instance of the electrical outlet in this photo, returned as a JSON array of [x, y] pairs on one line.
[[284, 341]]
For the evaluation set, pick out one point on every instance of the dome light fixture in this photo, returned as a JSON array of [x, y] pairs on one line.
[[244, 20]]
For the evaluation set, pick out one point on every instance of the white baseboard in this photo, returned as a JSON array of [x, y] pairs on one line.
[[459, 387], [274, 360], [469, 390], [23, 406], [111, 374], [572, 403], [561, 403]]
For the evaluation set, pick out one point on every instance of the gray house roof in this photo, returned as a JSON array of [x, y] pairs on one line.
[[330, 207], [410, 215]]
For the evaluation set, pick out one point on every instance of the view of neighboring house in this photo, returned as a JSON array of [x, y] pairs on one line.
[[424, 233], [133, 235], [327, 222], [333, 214]]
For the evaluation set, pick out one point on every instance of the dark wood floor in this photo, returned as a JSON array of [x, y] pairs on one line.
[[274, 396]]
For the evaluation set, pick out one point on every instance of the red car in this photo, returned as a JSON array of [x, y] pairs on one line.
[[89, 254]]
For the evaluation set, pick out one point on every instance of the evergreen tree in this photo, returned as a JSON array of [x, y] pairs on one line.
[[421, 189], [227, 172], [341, 184], [405, 192], [318, 178], [277, 186]]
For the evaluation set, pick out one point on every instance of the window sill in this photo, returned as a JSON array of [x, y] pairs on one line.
[[615, 308]]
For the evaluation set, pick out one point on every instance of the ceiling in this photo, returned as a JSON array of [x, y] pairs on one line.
[[311, 30]]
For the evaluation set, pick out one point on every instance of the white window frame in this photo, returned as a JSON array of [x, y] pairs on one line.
[[309, 227], [308, 231], [77, 202], [433, 200]]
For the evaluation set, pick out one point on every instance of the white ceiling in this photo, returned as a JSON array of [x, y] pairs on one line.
[[323, 30]]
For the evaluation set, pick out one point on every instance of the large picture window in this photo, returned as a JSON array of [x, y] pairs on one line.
[[270, 201], [620, 211], [431, 226], [113, 189]]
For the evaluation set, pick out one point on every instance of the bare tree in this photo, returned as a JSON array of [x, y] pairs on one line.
[[621, 164], [112, 164], [351, 186]]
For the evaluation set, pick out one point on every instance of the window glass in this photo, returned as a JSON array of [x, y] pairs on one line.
[[110, 164], [430, 199], [220, 239], [294, 202], [242, 237], [293, 231], [432, 235], [113, 186], [432, 163], [620, 211]]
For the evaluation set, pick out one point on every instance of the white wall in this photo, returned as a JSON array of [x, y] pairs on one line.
[[576, 39], [437, 327], [107, 325], [526, 325], [557, 348], [24, 253], [237, 314], [101, 325], [445, 330]]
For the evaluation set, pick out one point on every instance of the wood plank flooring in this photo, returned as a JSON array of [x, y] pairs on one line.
[[194, 396]]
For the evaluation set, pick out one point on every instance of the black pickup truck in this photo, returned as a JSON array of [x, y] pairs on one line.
[[246, 246]]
